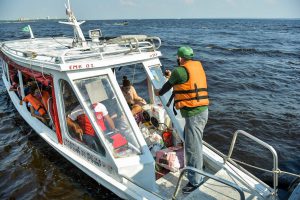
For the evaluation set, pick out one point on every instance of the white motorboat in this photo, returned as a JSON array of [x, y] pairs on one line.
[[80, 73]]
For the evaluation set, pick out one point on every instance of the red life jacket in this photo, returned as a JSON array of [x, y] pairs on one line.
[[100, 119], [85, 124]]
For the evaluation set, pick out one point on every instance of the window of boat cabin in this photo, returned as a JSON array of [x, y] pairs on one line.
[[108, 115], [137, 77], [78, 124]]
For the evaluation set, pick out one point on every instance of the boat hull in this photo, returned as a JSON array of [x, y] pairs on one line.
[[111, 181]]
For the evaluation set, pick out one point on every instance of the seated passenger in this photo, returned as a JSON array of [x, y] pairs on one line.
[[80, 123], [14, 78], [111, 104], [37, 109], [133, 99], [16, 89], [15, 86], [30, 84]]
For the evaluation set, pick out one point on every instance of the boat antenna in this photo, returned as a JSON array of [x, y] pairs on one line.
[[31, 33], [79, 39]]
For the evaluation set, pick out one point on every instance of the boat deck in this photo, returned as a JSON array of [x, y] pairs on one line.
[[210, 189]]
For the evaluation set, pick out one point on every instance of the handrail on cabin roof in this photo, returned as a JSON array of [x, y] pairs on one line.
[[127, 44]]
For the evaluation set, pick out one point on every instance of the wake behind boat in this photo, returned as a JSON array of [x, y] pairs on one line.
[[76, 79]]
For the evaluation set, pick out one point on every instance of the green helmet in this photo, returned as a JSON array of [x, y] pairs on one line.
[[185, 52]]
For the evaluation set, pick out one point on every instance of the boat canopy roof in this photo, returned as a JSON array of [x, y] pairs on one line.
[[59, 54], [44, 79]]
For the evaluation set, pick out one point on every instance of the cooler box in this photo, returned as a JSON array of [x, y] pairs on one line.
[[118, 140]]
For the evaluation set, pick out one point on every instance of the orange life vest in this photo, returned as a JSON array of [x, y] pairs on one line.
[[192, 93], [45, 97], [36, 104]]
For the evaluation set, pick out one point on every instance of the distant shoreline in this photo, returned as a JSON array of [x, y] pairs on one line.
[[62, 19], [29, 20]]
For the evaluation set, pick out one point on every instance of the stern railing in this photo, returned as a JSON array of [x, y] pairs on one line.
[[269, 147]]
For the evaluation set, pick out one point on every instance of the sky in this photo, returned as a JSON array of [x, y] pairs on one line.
[[150, 9]]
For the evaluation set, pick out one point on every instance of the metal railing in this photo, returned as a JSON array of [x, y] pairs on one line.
[[129, 44], [275, 157], [225, 182], [235, 164]]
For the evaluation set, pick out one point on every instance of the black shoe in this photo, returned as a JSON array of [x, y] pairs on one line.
[[189, 188]]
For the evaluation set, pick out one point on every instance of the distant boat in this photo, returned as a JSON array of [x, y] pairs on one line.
[[124, 23]]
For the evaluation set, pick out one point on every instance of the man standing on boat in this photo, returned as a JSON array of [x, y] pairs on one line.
[[188, 81]]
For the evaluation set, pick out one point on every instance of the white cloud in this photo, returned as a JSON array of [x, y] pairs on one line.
[[128, 2]]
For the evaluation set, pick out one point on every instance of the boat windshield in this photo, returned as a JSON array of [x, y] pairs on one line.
[[108, 115]]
